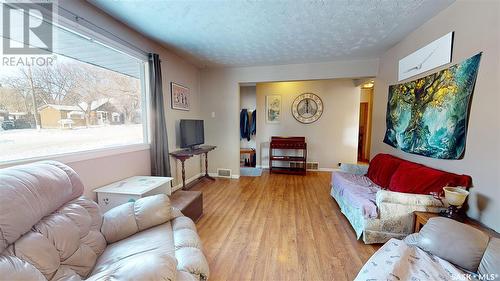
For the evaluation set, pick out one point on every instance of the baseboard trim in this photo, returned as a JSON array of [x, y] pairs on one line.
[[215, 175], [318, 170], [326, 169]]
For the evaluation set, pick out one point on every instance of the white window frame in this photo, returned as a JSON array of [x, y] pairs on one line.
[[63, 20]]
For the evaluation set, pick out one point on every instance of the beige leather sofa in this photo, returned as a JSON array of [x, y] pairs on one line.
[[49, 231], [443, 250]]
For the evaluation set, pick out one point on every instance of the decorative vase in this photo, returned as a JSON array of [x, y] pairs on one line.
[[455, 197]]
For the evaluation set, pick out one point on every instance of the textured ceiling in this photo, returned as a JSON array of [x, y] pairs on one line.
[[241, 33]]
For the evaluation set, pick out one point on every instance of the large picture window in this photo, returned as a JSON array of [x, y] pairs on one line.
[[89, 97]]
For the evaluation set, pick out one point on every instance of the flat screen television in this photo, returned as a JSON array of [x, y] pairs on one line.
[[192, 133]]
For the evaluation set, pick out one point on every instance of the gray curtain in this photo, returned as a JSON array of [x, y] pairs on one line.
[[160, 162]]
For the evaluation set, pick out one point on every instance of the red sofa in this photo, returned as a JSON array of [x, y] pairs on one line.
[[379, 199], [396, 174]]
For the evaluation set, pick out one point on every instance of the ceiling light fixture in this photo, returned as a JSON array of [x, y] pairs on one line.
[[368, 85]]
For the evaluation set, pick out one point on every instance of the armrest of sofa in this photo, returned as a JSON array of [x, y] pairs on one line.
[[132, 217], [354, 168], [387, 196], [390, 203]]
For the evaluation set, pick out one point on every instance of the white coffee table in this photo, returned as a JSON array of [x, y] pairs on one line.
[[131, 189]]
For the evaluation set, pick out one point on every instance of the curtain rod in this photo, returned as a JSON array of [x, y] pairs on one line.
[[78, 19]]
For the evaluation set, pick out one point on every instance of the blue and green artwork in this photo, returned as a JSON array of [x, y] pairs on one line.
[[429, 116]]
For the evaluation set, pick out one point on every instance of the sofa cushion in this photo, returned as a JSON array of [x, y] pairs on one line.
[[56, 241], [186, 238], [381, 169], [34, 248], [142, 266], [119, 223], [188, 247], [64, 273], [61, 232], [92, 209], [152, 210], [182, 223], [82, 261], [41, 188], [458, 243], [150, 252], [490, 263], [13, 268], [414, 178], [193, 261], [129, 218]]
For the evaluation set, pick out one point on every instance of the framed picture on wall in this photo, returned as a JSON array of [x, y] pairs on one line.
[[179, 97], [273, 109], [435, 54]]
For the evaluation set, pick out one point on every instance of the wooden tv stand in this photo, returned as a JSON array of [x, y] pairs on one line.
[[183, 155], [293, 143]]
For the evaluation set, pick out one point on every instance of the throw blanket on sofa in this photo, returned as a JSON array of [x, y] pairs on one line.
[[398, 261], [358, 190]]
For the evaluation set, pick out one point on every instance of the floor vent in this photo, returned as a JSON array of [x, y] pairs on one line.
[[309, 165], [224, 173]]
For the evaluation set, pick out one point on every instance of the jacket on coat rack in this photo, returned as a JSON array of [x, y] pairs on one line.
[[244, 128], [253, 123]]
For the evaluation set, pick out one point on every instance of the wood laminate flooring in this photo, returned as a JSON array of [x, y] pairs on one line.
[[278, 227]]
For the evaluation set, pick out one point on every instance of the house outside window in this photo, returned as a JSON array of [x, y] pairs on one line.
[[91, 97]]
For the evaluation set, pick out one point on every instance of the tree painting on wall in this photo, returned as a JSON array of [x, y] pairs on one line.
[[428, 116]]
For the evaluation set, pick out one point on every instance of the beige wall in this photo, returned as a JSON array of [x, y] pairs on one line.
[[101, 171], [331, 139], [221, 97], [476, 25]]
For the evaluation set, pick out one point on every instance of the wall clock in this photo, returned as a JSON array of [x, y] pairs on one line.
[[433, 55], [307, 108]]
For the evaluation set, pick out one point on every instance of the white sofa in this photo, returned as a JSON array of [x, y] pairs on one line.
[[49, 231], [377, 215]]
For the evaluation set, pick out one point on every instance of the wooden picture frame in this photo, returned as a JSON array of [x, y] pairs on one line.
[[180, 97], [273, 109]]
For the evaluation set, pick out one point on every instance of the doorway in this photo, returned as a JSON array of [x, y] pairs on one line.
[[248, 130], [365, 120]]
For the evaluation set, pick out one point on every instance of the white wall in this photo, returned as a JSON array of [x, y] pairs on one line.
[[477, 28], [104, 170], [331, 139], [220, 96]]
